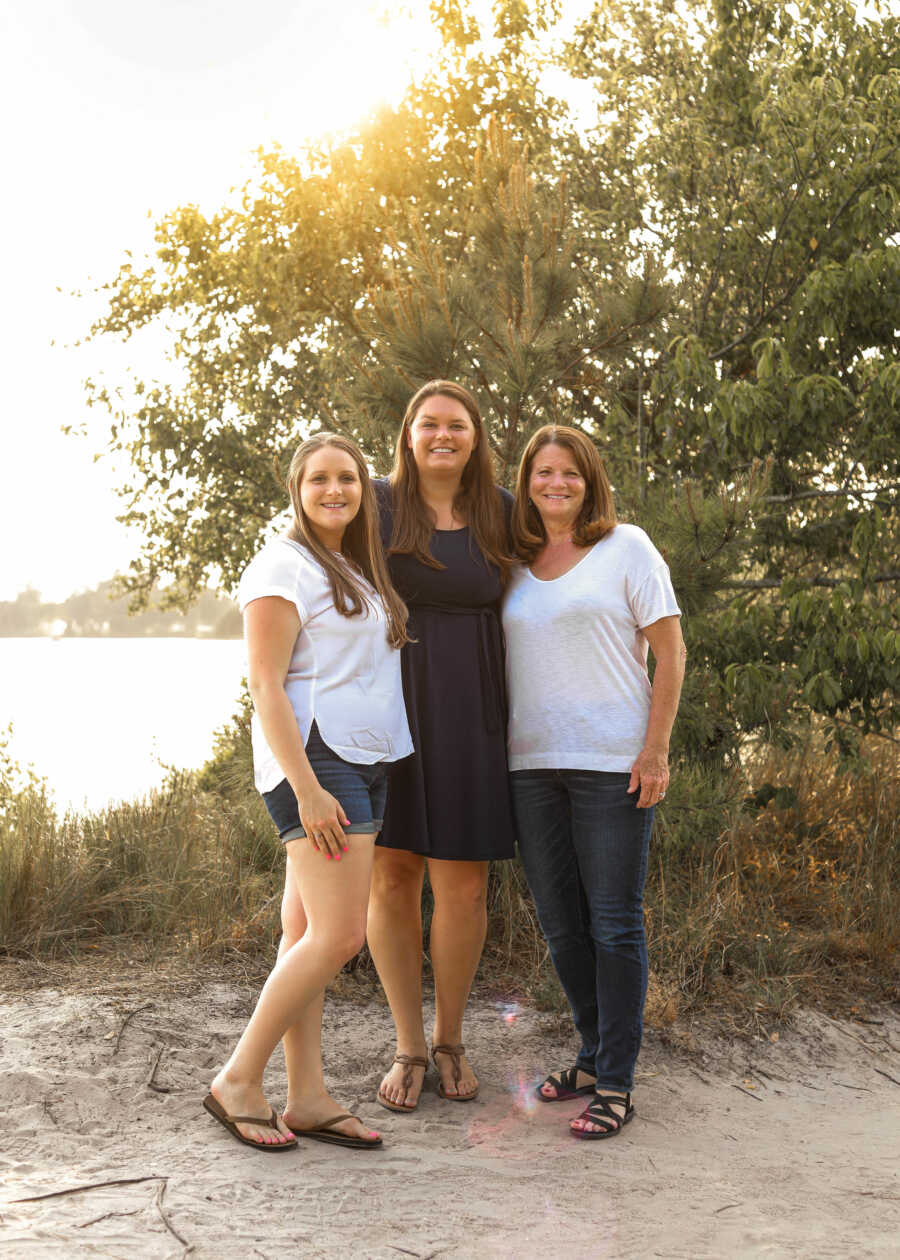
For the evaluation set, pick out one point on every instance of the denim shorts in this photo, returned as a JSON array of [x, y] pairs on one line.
[[361, 790]]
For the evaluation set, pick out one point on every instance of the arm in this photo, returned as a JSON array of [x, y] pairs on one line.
[[651, 769], [271, 625]]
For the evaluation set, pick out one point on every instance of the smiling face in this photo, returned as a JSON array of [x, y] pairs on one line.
[[556, 485], [330, 493], [441, 436]]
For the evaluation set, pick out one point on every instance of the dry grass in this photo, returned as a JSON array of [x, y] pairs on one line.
[[759, 895]]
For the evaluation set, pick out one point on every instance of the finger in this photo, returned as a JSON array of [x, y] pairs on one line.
[[635, 779], [330, 839], [649, 789]]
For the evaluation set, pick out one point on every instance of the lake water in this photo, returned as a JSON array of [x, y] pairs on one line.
[[101, 719]]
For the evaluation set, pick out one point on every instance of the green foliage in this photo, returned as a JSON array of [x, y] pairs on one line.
[[707, 279]]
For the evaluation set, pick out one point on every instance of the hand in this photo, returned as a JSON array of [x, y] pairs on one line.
[[321, 816], [651, 773]]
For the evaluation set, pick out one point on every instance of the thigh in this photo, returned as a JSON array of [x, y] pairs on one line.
[[610, 836], [543, 823], [334, 894]]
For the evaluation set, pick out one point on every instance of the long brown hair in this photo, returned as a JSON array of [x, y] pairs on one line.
[[361, 543], [477, 500], [597, 517]]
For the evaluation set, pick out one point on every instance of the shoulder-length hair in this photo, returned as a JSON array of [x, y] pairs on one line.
[[361, 543], [597, 517], [478, 500]]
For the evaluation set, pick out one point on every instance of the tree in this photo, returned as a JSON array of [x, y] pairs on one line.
[[706, 280]]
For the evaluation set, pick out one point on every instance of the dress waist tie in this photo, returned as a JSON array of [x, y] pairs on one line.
[[492, 675]]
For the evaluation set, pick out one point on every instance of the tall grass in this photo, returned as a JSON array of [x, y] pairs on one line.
[[764, 889]]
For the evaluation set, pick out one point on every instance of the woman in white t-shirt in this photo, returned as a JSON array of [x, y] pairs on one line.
[[588, 743], [324, 628]]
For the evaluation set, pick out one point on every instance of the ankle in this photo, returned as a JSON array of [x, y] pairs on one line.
[[228, 1078]]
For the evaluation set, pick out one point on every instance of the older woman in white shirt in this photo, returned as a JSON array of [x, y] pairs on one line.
[[588, 750], [324, 627]]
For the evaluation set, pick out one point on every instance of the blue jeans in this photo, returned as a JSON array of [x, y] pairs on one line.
[[584, 846]]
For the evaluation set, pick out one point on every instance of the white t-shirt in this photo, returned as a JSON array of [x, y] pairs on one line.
[[576, 660], [343, 672]]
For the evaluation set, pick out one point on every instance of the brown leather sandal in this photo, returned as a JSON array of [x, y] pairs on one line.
[[455, 1053], [409, 1061], [218, 1112], [326, 1132]]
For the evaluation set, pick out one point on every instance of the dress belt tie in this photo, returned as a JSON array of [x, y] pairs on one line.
[[490, 642]]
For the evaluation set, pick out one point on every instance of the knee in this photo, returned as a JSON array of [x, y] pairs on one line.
[[465, 895], [344, 944], [394, 880]]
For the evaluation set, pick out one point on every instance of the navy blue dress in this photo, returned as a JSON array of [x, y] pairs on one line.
[[450, 799]]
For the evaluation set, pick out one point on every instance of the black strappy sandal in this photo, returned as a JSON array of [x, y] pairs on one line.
[[600, 1112], [566, 1085]]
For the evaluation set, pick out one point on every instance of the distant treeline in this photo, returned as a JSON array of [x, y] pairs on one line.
[[100, 613]]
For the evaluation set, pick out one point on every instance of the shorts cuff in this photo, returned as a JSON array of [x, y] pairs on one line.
[[373, 826]]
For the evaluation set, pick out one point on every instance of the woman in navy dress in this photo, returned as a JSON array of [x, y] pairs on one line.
[[444, 524]]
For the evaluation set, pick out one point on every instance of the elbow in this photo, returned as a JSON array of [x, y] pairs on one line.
[[262, 687]]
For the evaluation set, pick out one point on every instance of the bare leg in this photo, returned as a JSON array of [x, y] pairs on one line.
[[395, 942], [458, 929], [308, 1101], [334, 897]]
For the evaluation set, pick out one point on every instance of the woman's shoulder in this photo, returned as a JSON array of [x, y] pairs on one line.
[[281, 557], [635, 544]]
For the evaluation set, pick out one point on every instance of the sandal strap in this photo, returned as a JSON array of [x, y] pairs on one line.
[[409, 1061], [600, 1112], [567, 1079], [455, 1052], [271, 1123], [328, 1124]]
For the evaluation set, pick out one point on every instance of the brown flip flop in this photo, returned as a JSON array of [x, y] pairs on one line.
[[409, 1061], [455, 1053], [218, 1112], [325, 1133]]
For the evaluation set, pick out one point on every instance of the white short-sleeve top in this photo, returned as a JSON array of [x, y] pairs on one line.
[[343, 672], [576, 660]]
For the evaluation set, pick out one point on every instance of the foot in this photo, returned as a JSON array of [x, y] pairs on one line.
[[403, 1083], [611, 1121], [572, 1082], [242, 1099], [446, 1065], [308, 1113]]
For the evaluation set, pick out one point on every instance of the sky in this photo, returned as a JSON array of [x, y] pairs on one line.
[[116, 114]]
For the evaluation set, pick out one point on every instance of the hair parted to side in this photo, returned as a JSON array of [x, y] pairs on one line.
[[597, 517], [477, 500], [361, 543]]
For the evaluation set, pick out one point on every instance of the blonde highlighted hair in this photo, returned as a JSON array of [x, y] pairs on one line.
[[597, 517], [361, 543]]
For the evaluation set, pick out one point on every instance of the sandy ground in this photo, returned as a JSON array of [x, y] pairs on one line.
[[742, 1149]]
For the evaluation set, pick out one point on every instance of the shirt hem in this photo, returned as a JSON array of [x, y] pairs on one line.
[[570, 761]]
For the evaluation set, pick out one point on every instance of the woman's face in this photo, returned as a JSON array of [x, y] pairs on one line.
[[555, 485], [441, 436], [330, 493]]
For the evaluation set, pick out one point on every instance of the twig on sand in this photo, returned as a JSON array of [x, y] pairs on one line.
[[860, 1088], [105, 1217], [859, 1041], [125, 1022], [93, 1185], [888, 1075], [151, 1082], [164, 1181], [755, 1097], [726, 1207]]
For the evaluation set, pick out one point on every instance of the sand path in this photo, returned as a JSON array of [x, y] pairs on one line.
[[746, 1149]]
